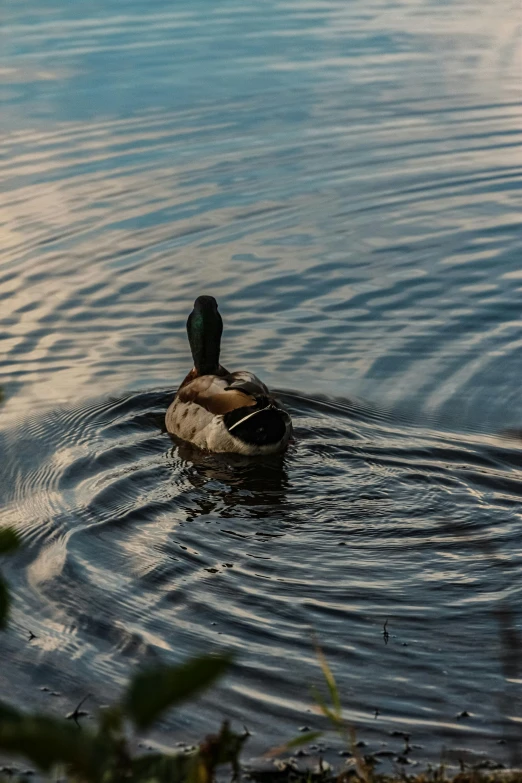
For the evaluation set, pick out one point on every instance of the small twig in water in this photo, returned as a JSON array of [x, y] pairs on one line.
[[385, 634], [77, 712]]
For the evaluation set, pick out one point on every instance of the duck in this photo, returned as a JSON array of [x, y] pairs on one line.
[[222, 411]]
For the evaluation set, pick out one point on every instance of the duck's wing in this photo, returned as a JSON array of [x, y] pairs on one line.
[[248, 383], [222, 394]]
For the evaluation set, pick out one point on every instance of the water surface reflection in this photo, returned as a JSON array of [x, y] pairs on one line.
[[345, 179]]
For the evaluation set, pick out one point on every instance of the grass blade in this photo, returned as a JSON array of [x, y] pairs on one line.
[[330, 681], [297, 742]]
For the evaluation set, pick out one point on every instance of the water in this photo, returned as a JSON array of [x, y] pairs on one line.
[[345, 179]]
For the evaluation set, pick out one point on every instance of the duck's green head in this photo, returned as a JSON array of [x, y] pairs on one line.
[[204, 328]]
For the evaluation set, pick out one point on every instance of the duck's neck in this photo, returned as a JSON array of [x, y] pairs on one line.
[[204, 328]]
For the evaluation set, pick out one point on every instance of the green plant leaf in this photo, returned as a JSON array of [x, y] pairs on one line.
[[4, 604], [46, 742], [8, 713], [155, 690], [9, 540]]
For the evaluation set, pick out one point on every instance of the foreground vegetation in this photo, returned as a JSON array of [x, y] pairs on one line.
[[59, 747]]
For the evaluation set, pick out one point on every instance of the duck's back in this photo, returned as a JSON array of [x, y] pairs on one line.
[[228, 412]]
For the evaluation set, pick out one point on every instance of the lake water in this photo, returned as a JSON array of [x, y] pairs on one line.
[[345, 177]]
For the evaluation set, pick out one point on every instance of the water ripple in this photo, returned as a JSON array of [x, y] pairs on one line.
[[162, 550]]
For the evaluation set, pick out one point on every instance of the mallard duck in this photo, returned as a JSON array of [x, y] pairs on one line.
[[223, 411]]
